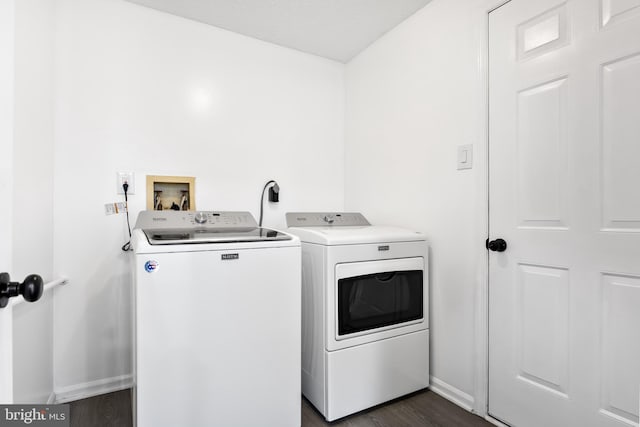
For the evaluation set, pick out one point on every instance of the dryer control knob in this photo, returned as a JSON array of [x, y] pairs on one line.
[[201, 218], [328, 219]]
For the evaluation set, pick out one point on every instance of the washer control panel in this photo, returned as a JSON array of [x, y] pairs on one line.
[[325, 219], [150, 220]]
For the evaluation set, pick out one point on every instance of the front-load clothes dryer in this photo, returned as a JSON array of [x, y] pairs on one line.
[[217, 315], [365, 330]]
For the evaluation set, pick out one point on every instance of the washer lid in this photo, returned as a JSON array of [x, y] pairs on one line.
[[177, 236], [180, 227], [355, 235]]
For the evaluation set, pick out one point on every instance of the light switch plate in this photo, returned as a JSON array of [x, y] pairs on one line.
[[465, 156]]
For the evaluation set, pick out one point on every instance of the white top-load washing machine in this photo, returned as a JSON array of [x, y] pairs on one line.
[[365, 330], [217, 321]]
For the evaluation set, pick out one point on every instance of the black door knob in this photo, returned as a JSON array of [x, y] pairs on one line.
[[31, 288], [497, 245]]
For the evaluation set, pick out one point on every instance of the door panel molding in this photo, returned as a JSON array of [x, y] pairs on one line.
[[543, 33], [541, 143], [620, 321], [619, 136], [543, 326], [614, 11]]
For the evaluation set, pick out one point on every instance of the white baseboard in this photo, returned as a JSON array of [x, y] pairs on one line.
[[495, 422], [93, 388], [451, 393], [51, 399]]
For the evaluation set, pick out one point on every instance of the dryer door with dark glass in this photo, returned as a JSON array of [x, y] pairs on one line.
[[376, 296]]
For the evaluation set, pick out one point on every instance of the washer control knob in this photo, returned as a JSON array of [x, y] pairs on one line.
[[201, 218], [329, 219]]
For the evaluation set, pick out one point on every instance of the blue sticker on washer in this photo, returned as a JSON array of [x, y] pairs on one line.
[[151, 266]]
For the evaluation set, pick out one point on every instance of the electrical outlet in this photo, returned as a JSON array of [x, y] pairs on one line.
[[129, 178]]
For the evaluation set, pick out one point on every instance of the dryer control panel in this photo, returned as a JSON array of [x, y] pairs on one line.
[[325, 219]]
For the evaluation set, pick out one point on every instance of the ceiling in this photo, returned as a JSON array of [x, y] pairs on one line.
[[334, 29]]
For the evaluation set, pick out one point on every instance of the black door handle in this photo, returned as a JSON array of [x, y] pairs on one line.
[[497, 245], [31, 288]]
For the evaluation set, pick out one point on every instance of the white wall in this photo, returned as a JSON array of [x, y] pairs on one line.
[[412, 98], [33, 351], [33, 149], [33, 196], [138, 90]]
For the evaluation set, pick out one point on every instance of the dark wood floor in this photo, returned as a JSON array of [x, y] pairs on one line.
[[106, 410], [422, 409]]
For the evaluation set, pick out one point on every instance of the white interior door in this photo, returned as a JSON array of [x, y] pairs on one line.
[[564, 138], [6, 189]]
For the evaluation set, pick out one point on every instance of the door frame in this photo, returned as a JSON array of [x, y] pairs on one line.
[[481, 176], [7, 56]]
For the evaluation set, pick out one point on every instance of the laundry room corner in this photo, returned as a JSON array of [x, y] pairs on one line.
[[413, 97], [190, 100]]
